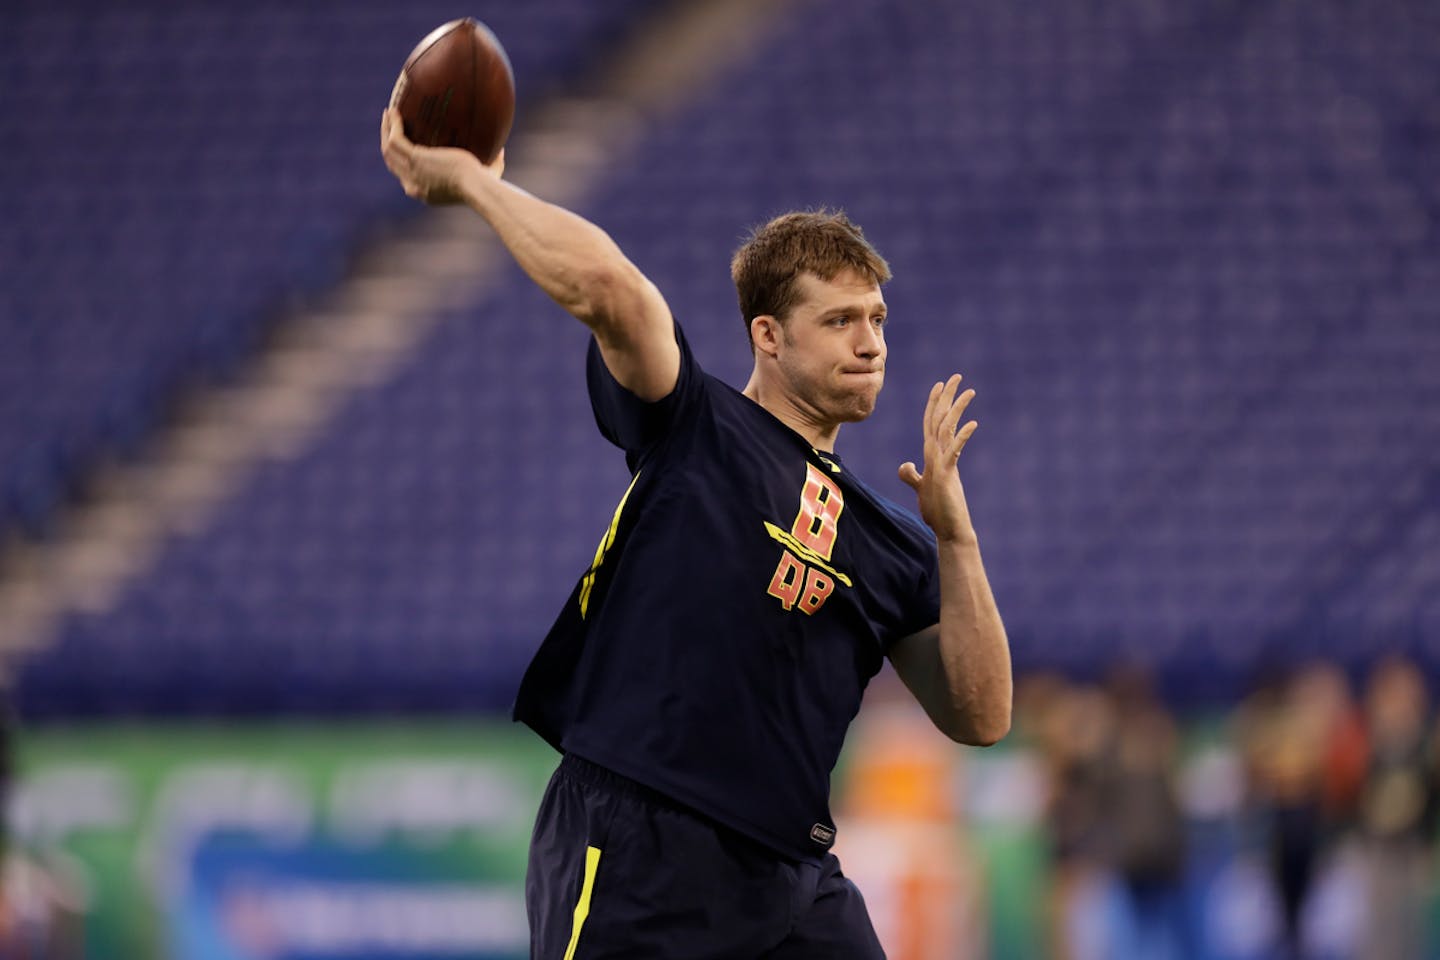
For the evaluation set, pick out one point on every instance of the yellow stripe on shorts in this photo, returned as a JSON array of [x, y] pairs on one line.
[[582, 909]]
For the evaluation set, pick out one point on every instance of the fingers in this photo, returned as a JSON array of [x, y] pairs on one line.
[[951, 420], [397, 127], [910, 476], [943, 442], [947, 394], [942, 395], [387, 139], [957, 442], [930, 407], [393, 139], [943, 413], [397, 150]]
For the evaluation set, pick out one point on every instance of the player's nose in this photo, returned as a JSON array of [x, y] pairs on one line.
[[870, 342]]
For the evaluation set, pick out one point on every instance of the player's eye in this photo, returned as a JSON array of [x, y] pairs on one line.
[[840, 321]]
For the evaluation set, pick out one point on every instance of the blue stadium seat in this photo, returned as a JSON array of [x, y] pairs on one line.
[[1186, 254], [179, 171]]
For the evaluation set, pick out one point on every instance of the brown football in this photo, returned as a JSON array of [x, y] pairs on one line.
[[457, 90]]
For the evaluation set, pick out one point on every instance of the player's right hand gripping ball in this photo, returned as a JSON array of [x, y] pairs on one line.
[[457, 90]]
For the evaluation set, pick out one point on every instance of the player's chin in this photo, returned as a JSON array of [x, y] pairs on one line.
[[857, 407]]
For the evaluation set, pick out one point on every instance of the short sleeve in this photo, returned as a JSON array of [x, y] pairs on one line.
[[917, 590], [632, 424], [923, 609]]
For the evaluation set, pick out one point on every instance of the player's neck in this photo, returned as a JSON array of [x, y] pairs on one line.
[[799, 417]]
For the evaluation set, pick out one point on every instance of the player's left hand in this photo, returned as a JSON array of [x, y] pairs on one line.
[[942, 498]]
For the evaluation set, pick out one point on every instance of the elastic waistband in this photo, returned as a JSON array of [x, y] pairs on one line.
[[592, 774], [578, 768]]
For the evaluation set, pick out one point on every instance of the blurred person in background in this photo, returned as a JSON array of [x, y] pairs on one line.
[[1334, 719], [699, 713], [1116, 829], [1304, 749], [1284, 773], [1398, 810], [1077, 733], [1146, 824]]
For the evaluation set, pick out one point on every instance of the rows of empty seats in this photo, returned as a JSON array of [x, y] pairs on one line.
[[1185, 253], [177, 175]]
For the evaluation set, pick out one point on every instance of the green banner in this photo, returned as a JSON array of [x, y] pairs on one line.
[[337, 840]]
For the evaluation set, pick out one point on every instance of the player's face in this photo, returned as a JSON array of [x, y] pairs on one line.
[[832, 350]]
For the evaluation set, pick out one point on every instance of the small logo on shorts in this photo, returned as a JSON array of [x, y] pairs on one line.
[[822, 834]]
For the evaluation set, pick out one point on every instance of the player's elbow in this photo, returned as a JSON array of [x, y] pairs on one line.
[[988, 736], [607, 295], [979, 730], [586, 293]]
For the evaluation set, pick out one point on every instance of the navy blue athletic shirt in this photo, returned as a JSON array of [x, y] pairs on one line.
[[744, 595]]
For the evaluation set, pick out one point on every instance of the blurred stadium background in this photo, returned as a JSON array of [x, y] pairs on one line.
[[294, 474]]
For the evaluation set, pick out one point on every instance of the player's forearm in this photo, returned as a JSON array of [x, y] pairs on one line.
[[567, 256], [974, 651]]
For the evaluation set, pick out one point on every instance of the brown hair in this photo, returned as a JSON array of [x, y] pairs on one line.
[[821, 242]]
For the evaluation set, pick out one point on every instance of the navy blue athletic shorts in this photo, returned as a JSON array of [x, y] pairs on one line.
[[618, 870]]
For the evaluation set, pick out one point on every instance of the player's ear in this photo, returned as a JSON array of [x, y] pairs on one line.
[[765, 334]]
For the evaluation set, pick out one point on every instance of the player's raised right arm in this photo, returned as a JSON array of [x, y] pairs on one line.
[[570, 258]]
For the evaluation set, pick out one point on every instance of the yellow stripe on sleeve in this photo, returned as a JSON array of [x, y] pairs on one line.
[[582, 908], [587, 584]]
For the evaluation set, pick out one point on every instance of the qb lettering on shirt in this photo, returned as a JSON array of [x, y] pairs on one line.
[[804, 577]]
